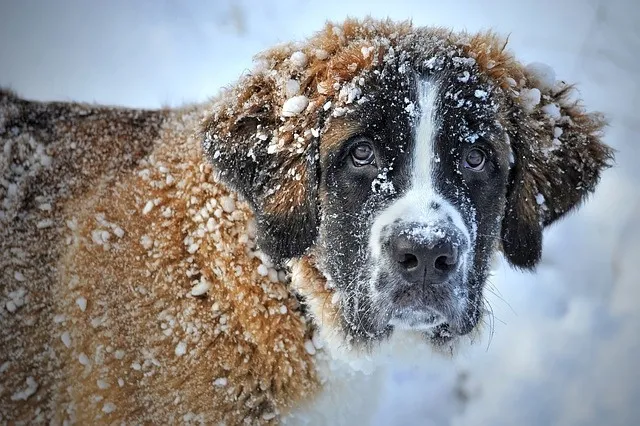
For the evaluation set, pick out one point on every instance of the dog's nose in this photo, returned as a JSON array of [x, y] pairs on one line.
[[424, 259]]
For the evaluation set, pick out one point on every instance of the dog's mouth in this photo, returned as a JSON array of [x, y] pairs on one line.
[[408, 319], [383, 306], [441, 311], [435, 326]]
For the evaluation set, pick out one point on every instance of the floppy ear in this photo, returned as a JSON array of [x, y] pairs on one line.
[[558, 158], [270, 162]]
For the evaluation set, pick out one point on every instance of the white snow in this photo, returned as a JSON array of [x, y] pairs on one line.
[[263, 270], [147, 207], [118, 231], [11, 306], [83, 359], [45, 223], [410, 107], [543, 75], [100, 237], [16, 299], [321, 54], [201, 288], [108, 407], [557, 132], [299, 59], [464, 77], [530, 98], [309, 347], [66, 339], [481, 94], [294, 106], [317, 341], [349, 93], [339, 111], [228, 204], [269, 416], [146, 242], [366, 51], [82, 303], [220, 382], [181, 349], [552, 110], [427, 232], [24, 394]]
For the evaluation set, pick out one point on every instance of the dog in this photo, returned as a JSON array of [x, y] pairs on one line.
[[248, 259]]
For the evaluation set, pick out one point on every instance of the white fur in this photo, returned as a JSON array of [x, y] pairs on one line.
[[352, 385]]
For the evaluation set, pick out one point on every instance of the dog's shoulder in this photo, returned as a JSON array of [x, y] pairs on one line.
[[138, 282], [51, 154], [55, 149]]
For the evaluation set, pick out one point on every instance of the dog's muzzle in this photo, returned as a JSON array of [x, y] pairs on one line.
[[424, 261]]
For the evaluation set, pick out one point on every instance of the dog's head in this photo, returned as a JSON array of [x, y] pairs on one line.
[[393, 162]]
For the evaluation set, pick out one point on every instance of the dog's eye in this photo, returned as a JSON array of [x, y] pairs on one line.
[[475, 159], [362, 153]]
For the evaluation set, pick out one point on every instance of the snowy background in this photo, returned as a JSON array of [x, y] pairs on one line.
[[567, 339]]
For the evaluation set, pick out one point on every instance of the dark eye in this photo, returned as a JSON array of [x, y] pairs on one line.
[[362, 153], [475, 159]]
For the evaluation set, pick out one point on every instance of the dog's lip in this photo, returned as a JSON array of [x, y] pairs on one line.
[[419, 319]]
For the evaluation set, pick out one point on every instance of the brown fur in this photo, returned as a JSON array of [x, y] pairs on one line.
[[75, 175], [134, 294], [334, 137]]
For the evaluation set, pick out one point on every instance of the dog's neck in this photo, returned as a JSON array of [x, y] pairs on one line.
[[342, 369], [323, 311]]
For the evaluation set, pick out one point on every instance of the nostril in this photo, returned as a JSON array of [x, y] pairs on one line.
[[409, 261], [444, 263], [420, 255]]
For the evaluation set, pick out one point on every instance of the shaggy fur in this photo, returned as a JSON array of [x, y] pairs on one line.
[[132, 288]]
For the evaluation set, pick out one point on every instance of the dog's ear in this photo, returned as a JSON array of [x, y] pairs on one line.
[[557, 160], [259, 149], [263, 134]]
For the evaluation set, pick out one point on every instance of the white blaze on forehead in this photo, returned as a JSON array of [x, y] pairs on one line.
[[425, 134]]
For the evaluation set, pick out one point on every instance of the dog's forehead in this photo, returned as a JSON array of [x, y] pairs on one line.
[[297, 89], [466, 108]]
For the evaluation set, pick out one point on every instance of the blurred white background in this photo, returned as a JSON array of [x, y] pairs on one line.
[[566, 339]]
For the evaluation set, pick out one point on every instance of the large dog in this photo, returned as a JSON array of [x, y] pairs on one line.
[[232, 261]]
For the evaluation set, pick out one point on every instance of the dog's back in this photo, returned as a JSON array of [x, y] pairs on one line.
[[130, 285]]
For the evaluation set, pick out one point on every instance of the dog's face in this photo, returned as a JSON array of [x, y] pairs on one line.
[[412, 193], [399, 165]]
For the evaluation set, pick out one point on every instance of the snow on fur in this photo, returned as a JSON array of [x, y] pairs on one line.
[[136, 266]]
